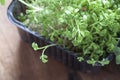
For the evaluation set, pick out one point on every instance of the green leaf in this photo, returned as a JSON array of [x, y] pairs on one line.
[[116, 51], [85, 17], [92, 61], [35, 46], [80, 59], [94, 16], [44, 58], [76, 24], [118, 59], [118, 11], [117, 54], [104, 62], [106, 3], [2, 2], [103, 32]]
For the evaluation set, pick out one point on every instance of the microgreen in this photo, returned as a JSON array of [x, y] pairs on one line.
[[86, 27], [43, 57]]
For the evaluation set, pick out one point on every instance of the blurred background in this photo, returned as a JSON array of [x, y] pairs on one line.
[[19, 62]]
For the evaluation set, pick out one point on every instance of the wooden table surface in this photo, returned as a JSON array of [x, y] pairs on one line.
[[19, 62]]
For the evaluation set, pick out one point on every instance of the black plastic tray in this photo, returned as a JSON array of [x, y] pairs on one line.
[[66, 57]]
